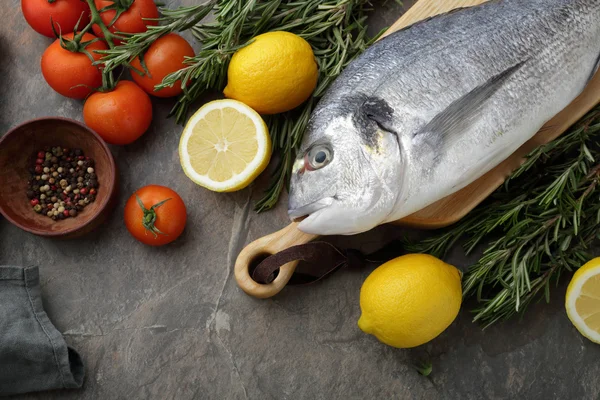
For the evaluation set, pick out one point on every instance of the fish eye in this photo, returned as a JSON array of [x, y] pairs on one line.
[[319, 156]]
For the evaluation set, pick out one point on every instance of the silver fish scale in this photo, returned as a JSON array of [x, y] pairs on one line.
[[555, 44], [536, 55]]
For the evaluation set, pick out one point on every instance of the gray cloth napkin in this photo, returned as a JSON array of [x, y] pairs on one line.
[[33, 354]]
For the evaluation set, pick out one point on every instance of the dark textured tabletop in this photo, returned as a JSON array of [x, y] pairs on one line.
[[171, 322]]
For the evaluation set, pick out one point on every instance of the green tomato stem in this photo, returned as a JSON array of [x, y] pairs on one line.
[[96, 19], [150, 216], [79, 35]]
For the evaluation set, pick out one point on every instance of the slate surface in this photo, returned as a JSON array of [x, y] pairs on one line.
[[171, 323]]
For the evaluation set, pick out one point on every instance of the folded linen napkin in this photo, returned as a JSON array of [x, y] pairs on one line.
[[33, 353]]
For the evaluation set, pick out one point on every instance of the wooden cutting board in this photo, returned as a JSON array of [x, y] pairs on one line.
[[442, 213]]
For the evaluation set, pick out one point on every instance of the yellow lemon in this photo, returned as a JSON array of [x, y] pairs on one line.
[[583, 300], [224, 146], [410, 300], [275, 73]]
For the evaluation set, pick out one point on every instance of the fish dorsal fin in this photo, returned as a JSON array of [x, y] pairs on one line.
[[459, 115], [425, 20]]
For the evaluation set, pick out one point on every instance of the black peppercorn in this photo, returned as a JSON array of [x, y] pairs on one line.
[[56, 187]]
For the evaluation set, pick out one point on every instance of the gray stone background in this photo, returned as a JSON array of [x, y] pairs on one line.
[[171, 323]]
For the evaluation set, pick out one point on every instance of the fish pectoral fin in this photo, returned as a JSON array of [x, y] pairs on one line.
[[457, 117]]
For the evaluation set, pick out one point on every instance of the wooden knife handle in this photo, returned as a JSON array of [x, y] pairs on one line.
[[258, 250]]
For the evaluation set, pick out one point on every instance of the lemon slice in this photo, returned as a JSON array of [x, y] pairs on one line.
[[224, 146], [583, 300]]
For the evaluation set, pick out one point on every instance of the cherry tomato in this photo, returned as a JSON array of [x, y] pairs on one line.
[[120, 116], [72, 74], [64, 13], [164, 56], [129, 21], [161, 217]]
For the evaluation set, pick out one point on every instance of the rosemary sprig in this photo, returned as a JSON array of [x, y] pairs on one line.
[[335, 29], [535, 228], [177, 20]]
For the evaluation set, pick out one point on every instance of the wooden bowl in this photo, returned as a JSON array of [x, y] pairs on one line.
[[18, 149]]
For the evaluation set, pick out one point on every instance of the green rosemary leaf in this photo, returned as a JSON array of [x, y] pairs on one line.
[[177, 20]]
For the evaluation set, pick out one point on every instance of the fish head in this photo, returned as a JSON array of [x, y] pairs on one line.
[[348, 173]]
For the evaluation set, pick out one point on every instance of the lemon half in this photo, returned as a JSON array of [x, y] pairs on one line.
[[583, 300], [224, 146]]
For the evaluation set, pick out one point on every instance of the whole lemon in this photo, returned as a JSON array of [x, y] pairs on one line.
[[275, 73], [410, 300]]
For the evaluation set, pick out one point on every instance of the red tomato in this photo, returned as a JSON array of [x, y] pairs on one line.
[[131, 20], [64, 13], [120, 116], [164, 56], [162, 218], [72, 74]]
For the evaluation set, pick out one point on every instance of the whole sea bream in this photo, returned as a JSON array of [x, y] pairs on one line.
[[429, 109]]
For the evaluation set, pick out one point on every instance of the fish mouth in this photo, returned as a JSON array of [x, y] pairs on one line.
[[301, 213]]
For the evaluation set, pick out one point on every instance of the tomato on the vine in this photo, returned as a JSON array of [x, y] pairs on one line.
[[164, 56], [155, 215], [119, 116], [131, 20], [64, 14], [72, 73]]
